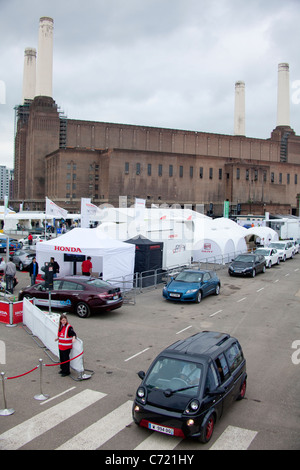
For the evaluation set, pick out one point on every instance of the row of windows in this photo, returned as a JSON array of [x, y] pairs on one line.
[[253, 175], [171, 170]]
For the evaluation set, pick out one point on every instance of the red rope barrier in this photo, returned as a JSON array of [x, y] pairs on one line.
[[58, 364], [21, 375], [46, 365]]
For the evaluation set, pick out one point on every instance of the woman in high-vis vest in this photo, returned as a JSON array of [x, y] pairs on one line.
[[65, 337]]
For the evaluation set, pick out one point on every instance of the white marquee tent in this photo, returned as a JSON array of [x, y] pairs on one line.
[[114, 258]]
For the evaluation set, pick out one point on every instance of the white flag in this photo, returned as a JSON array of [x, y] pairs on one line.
[[88, 210], [54, 210]]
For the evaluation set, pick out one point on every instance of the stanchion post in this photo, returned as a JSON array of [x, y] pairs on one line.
[[6, 411], [41, 396], [11, 315]]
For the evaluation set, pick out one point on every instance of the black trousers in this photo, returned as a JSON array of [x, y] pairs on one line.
[[64, 355]]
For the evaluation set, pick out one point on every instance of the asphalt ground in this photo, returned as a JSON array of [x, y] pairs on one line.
[[263, 313]]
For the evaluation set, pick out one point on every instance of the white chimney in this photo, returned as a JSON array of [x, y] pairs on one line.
[[29, 74], [45, 58], [239, 109], [283, 95]]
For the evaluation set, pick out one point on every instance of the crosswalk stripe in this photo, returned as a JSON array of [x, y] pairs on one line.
[[158, 441], [28, 430], [234, 438], [100, 432]]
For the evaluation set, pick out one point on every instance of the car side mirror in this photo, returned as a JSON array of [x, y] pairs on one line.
[[141, 374]]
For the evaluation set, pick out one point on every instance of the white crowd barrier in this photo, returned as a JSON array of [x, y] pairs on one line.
[[44, 326]]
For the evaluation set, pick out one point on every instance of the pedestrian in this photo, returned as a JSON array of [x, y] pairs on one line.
[[10, 272], [87, 267], [65, 337], [54, 266], [30, 239], [33, 269]]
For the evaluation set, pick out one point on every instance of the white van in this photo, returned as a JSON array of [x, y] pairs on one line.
[[285, 249]]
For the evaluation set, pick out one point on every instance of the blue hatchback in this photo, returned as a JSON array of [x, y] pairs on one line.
[[191, 285]]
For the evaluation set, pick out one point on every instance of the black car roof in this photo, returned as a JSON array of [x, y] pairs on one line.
[[206, 343]]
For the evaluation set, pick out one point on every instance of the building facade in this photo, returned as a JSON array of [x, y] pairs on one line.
[[66, 159]]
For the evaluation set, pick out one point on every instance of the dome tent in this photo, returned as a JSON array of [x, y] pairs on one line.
[[148, 258], [219, 240]]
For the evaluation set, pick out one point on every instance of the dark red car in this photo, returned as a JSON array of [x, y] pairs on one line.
[[79, 294]]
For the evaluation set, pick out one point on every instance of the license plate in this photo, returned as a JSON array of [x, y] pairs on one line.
[[174, 295], [163, 429]]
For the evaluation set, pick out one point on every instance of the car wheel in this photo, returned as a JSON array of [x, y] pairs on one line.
[[243, 390], [253, 273], [284, 259], [278, 261], [217, 291], [270, 264], [21, 266], [198, 297], [264, 269], [208, 429], [83, 310]]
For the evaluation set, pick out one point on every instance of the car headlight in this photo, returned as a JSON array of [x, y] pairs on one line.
[[193, 406], [141, 394], [191, 291]]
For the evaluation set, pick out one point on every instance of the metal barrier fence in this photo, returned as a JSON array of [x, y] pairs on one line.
[[137, 283]]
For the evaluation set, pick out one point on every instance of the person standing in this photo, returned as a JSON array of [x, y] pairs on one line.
[[30, 239], [54, 266], [33, 270], [87, 267], [65, 337], [10, 272]]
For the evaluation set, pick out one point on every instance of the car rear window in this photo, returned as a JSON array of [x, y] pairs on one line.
[[97, 283]]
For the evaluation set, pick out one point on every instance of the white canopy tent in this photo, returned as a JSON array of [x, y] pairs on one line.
[[113, 258], [218, 240], [265, 234]]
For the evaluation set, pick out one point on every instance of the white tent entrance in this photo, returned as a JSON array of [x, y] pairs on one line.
[[113, 258]]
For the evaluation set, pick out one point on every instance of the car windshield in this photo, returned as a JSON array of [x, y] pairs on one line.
[[245, 258], [175, 375], [185, 276], [280, 246], [96, 282], [263, 252]]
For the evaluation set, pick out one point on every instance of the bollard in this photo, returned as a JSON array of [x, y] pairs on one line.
[[41, 396], [11, 313], [6, 411]]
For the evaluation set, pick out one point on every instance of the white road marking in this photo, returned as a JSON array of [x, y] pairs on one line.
[[135, 355], [30, 429], [98, 433], [184, 329], [213, 314], [234, 438], [57, 396], [159, 441], [241, 300]]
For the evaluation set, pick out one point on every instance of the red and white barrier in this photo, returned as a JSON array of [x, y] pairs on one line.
[[11, 313]]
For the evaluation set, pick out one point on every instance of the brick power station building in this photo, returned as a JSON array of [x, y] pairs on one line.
[[67, 159]]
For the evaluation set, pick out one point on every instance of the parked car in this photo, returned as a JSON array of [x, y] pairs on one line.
[[285, 249], [271, 255], [22, 259], [190, 384], [13, 244], [191, 286], [80, 294], [247, 264], [24, 242], [296, 246]]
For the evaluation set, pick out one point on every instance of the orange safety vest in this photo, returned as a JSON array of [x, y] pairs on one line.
[[64, 342]]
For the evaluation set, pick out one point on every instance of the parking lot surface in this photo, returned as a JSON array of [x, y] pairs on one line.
[[263, 313]]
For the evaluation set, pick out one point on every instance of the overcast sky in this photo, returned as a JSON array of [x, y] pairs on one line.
[[161, 63]]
